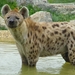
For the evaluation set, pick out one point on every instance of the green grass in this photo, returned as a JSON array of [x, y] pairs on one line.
[[61, 17], [3, 28], [61, 1], [33, 9]]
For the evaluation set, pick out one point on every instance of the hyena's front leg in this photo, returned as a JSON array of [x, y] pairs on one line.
[[32, 57], [71, 50], [23, 57]]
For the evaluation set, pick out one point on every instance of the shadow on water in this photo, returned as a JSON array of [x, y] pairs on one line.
[[10, 64]]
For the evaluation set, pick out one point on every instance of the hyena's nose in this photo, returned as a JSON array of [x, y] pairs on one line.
[[11, 22]]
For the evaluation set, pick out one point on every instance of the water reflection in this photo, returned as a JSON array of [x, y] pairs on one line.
[[10, 64]]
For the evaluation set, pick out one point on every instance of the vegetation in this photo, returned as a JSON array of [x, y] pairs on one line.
[[12, 4], [32, 9], [3, 28], [61, 1], [61, 17]]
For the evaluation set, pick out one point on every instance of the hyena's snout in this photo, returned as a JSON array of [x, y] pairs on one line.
[[12, 23]]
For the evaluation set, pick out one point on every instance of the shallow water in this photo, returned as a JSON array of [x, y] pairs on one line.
[[10, 64]]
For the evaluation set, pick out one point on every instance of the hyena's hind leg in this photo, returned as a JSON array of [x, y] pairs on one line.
[[65, 57], [71, 49]]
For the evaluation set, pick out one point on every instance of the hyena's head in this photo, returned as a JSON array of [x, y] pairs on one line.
[[14, 18]]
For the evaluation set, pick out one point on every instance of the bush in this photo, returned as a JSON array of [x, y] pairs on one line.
[[32, 9], [12, 4]]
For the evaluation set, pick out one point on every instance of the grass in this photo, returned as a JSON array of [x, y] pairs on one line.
[[3, 27], [61, 17], [61, 1]]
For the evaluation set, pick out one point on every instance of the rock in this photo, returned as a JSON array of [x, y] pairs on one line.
[[64, 8], [41, 16], [33, 2], [2, 23]]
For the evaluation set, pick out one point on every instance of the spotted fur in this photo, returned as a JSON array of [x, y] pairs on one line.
[[36, 39]]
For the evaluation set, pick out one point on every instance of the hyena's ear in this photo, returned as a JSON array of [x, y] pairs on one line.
[[24, 12], [5, 9]]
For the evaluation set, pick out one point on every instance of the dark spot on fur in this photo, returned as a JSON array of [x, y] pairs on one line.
[[62, 23], [70, 54], [28, 34], [65, 35], [48, 38], [52, 48], [51, 34], [36, 36], [55, 41], [43, 47], [72, 42], [30, 47], [58, 43], [43, 27], [39, 39], [39, 31], [47, 45], [62, 43], [34, 56], [42, 41], [43, 35], [71, 45], [60, 33], [73, 37], [72, 33], [35, 43], [36, 27], [55, 25], [59, 38], [68, 34], [33, 46], [64, 31], [56, 32], [30, 52]]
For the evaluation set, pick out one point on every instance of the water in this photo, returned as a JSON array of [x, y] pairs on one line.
[[10, 64]]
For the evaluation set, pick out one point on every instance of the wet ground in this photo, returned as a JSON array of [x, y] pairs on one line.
[[10, 64]]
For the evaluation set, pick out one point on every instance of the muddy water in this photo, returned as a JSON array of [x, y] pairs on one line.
[[10, 64]]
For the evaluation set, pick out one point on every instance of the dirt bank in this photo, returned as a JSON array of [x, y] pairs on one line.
[[5, 36]]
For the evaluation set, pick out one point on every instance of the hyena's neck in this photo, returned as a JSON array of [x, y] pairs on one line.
[[20, 32]]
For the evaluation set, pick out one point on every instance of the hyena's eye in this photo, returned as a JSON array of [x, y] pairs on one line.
[[8, 17], [16, 17]]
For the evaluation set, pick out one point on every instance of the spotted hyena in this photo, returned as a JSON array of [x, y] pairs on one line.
[[35, 39]]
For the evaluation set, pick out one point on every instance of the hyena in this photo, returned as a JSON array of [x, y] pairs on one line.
[[35, 39]]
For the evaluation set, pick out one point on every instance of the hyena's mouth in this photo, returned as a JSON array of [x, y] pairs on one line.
[[12, 26]]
